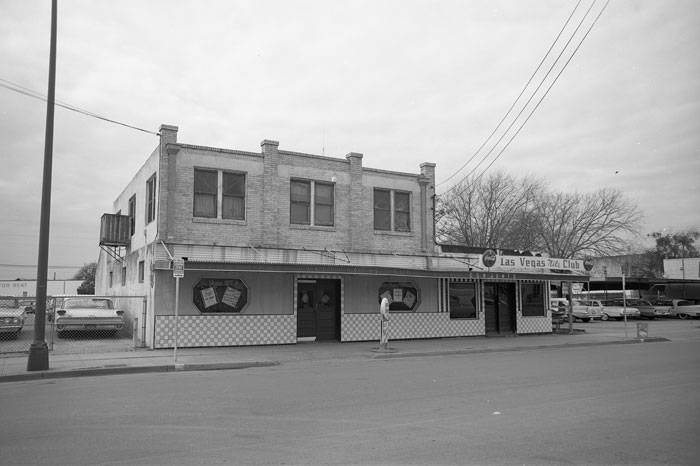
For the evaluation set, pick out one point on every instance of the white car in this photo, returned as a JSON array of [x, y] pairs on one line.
[[87, 314], [684, 309], [11, 317], [612, 311]]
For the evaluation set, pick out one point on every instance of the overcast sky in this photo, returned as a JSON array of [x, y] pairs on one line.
[[403, 82]]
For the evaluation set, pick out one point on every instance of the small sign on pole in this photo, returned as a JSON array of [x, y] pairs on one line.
[[178, 273], [178, 268]]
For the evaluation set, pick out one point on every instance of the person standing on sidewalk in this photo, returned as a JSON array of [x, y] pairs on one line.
[[384, 317]]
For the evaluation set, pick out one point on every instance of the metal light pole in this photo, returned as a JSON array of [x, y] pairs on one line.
[[38, 351]]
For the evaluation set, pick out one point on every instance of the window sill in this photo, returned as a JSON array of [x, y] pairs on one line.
[[535, 317], [393, 233], [219, 221], [296, 226]]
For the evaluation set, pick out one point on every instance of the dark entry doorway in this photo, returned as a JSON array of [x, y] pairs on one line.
[[318, 309], [499, 307]]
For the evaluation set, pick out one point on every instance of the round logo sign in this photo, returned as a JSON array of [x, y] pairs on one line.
[[489, 257], [588, 264]]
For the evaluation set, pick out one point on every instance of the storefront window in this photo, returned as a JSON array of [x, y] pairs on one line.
[[220, 295], [532, 299], [462, 300], [403, 296]]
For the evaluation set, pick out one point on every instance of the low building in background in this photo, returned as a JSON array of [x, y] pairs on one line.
[[27, 288], [682, 269]]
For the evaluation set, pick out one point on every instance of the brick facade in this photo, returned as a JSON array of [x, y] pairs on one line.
[[267, 218]]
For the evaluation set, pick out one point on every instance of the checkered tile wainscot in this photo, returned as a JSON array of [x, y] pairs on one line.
[[226, 330], [364, 327]]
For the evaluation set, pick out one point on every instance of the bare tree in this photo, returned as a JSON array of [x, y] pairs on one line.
[[500, 211], [492, 211], [573, 225]]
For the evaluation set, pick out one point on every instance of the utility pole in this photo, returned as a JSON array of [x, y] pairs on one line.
[[38, 351]]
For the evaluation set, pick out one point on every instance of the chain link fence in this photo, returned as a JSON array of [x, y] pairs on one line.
[[74, 323]]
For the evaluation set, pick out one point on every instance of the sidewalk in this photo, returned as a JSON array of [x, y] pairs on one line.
[[14, 367]]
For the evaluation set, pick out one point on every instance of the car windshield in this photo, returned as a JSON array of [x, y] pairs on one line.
[[11, 303], [88, 303]]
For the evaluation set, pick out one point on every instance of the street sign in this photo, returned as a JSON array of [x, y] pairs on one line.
[[178, 268]]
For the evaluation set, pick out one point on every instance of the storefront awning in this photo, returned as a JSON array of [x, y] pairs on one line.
[[251, 259]]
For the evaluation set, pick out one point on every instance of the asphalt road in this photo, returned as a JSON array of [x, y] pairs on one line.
[[614, 404]]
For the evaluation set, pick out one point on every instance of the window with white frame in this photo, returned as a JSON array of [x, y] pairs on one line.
[[462, 298], [533, 300], [392, 210], [219, 194], [311, 203]]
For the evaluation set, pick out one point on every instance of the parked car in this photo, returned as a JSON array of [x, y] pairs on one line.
[[646, 309], [593, 309], [560, 306], [684, 309], [611, 310], [662, 306], [11, 317], [87, 313]]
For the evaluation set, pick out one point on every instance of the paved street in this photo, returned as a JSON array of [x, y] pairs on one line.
[[612, 404]]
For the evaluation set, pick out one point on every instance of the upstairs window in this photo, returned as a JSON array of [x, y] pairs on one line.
[[132, 215], [219, 194], [392, 210], [300, 202], [233, 196], [312, 203], [402, 211], [151, 199], [205, 193]]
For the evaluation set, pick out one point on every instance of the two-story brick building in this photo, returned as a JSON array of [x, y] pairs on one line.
[[283, 246]]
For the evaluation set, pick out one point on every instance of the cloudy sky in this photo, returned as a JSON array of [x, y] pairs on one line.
[[401, 81]]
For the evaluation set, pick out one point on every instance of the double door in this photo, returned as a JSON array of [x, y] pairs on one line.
[[499, 307], [318, 309]]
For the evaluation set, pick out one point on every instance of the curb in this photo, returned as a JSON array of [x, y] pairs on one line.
[[517, 348], [123, 369]]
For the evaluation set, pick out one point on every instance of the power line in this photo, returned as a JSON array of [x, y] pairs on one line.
[[566, 23], [545, 93], [595, 20], [36, 95]]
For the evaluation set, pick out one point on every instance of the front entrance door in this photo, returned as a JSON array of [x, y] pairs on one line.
[[499, 307], [318, 309]]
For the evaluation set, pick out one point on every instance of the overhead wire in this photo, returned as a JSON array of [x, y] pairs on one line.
[[37, 95], [542, 81], [545, 93], [529, 100], [534, 73]]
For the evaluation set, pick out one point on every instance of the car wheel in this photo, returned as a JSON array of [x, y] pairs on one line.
[[604, 317], [586, 320], [682, 315], [61, 334]]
